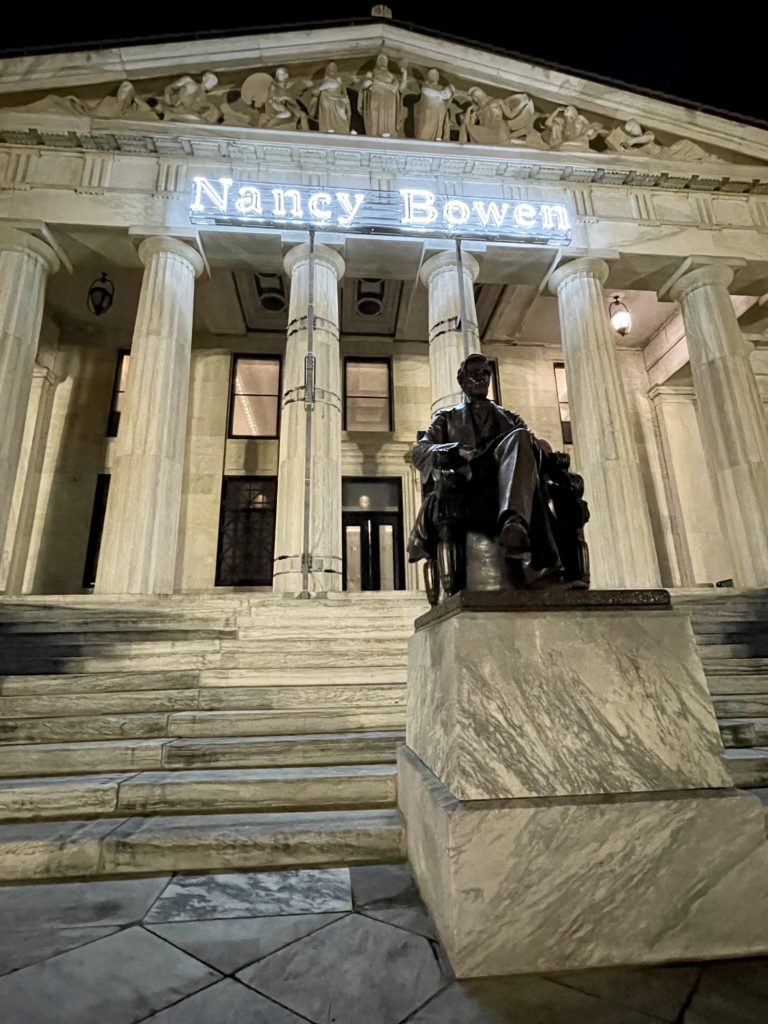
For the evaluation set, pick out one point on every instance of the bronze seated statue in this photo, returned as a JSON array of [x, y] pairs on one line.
[[485, 473]]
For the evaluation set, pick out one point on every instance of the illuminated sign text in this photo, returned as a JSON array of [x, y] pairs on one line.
[[408, 210]]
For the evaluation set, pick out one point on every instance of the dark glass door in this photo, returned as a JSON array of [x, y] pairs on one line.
[[246, 531], [373, 534]]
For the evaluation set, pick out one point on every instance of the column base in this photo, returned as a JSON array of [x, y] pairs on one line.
[[556, 884]]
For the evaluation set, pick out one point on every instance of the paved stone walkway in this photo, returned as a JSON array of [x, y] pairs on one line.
[[336, 946]]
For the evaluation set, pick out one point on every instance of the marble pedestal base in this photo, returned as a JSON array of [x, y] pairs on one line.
[[553, 884], [563, 788]]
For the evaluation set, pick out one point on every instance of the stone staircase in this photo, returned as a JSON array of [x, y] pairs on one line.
[[206, 733], [731, 630]]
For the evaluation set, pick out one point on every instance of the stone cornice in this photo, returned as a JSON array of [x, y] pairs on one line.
[[72, 70], [315, 153]]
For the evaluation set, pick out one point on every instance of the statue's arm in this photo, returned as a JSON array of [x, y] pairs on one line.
[[434, 450]]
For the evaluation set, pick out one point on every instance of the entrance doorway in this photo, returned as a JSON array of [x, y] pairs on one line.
[[246, 531], [372, 525]]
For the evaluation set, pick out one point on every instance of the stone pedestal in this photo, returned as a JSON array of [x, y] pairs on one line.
[[310, 439], [138, 547], [441, 276], [25, 263], [731, 416], [565, 798], [621, 548]]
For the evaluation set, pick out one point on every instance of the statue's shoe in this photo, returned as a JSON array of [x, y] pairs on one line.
[[514, 538]]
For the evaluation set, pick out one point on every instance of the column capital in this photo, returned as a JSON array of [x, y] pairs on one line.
[[700, 277], [585, 266], [322, 254], [156, 245], [14, 240], [448, 260], [674, 392]]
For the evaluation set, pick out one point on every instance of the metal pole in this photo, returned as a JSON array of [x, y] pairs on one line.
[[309, 405], [462, 299]]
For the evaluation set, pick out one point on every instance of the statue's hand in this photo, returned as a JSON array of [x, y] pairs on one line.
[[446, 456]]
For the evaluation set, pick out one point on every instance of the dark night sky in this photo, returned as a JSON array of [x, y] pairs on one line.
[[705, 61]]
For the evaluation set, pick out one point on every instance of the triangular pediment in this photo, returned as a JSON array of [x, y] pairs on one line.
[[376, 80]]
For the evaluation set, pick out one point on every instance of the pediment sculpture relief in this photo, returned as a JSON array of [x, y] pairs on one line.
[[383, 97]]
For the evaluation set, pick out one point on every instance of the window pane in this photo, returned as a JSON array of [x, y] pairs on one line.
[[367, 414], [352, 540], [381, 495], [257, 376], [254, 416], [386, 557], [124, 361], [368, 379], [561, 383], [493, 390]]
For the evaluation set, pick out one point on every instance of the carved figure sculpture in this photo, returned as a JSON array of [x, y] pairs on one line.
[[492, 121], [187, 100], [330, 103], [431, 113], [382, 101], [281, 109], [631, 137], [485, 471], [566, 128], [125, 103]]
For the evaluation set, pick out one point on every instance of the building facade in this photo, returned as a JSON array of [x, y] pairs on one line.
[[302, 234]]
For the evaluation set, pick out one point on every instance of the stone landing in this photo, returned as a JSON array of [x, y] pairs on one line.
[[564, 792]]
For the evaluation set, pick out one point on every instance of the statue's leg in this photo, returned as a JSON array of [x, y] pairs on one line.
[[432, 581], [518, 477], [447, 562]]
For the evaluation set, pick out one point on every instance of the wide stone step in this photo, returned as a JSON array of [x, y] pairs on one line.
[[56, 705], [115, 637], [742, 706], [197, 723], [749, 626], [748, 666], [753, 649], [60, 705], [247, 678], [114, 623], [198, 792], [216, 842], [726, 685], [744, 732], [97, 682], [37, 759], [206, 654], [749, 766]]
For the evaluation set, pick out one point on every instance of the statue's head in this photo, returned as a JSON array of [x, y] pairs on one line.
[[474, 376], [382, 61], [332, 69], [282, 75], [209, 80], [433, 76]]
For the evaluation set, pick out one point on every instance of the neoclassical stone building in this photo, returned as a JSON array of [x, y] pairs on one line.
[[302, 234]]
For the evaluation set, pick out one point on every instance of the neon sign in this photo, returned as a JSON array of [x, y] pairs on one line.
[[406, 211]]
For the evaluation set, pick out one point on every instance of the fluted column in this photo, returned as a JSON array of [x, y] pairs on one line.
[[25, 263], [731, 417], [310, 444], [621, 545], [138, 547], [13, 561], [446, 337]]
